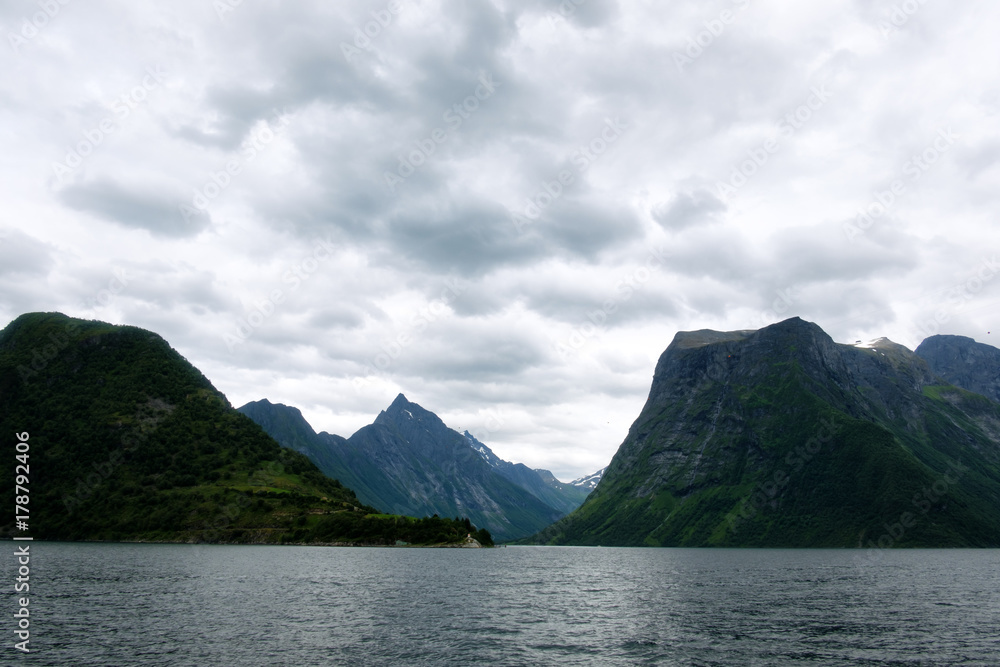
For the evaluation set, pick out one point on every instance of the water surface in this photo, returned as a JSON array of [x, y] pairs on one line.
[[144, 604]]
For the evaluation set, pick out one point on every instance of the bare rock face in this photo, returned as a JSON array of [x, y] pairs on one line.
[[784, 438], [409, 462], [963, 362]]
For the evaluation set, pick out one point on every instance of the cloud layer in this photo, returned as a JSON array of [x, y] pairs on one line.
[[504, 209]]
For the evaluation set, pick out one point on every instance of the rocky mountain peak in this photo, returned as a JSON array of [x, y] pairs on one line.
[[782, 437], [403, 413], [963, 362]]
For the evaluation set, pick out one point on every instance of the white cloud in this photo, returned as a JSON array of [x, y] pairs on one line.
[[287, 137]]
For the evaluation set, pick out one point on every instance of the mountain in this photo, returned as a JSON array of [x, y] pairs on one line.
[[289, 428], [590, 481], [963, 362], [540, 483], [408, 462], [126, 440], [783, 438]]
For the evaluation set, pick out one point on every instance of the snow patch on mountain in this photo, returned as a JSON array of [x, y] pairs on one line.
[[590, 481], [484, 451]]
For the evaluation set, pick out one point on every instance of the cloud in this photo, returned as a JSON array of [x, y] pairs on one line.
[[155, 211], [22, 255], [687, 209], [589, 149]]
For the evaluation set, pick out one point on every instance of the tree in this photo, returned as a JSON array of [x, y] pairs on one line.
[[483, 537]]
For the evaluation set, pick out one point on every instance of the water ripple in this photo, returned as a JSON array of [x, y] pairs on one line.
[[142, 604]]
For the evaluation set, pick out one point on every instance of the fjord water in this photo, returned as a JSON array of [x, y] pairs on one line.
[[147, 604]]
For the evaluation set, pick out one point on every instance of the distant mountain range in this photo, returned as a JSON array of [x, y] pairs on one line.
[[126, 440], [409, 462], [773, 438], [590, 481], [783, 438], [561, 496]]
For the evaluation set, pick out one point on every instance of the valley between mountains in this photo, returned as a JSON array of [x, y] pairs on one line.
[[778, 437]]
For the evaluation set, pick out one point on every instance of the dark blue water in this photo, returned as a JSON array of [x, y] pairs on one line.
[[107, 604]]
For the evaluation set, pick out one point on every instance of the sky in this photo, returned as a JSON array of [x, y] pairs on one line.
[[503, 209]]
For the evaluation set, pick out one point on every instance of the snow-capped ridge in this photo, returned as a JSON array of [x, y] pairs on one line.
[[590, 481]]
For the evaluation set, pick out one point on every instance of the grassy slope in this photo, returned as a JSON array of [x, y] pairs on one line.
[[130, 442], [851, 491]]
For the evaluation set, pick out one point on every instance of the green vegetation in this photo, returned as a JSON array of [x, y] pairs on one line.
[[779, 451], [128, 441]]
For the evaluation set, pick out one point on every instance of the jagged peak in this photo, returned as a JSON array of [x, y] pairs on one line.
[[399, 406], [482, 449], [402, 410]]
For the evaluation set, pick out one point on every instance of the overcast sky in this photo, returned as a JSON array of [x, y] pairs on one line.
[[504, 209]]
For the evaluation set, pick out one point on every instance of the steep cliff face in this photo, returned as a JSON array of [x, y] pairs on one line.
[[963, 362], [782, 437]]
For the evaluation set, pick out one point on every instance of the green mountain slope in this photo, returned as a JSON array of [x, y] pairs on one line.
[[128, 441], [783, 438], [409, 462], [564, 498]]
